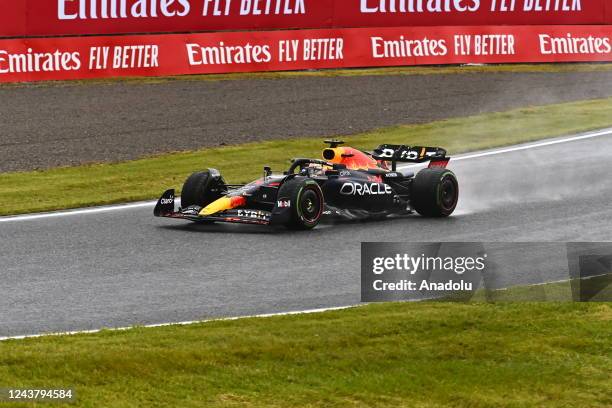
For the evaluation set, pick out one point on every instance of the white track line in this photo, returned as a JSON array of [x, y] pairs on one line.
[[80, 211], [222, 319], [121, 207], [604, 132], [228, 319]]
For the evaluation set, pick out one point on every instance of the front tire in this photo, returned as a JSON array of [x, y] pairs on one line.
[[307, 203], [202, 188], [435, 192]]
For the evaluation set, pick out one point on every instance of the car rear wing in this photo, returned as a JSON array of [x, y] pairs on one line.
[[411, 154]]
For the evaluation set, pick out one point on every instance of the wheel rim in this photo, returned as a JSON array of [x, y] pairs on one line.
[[448, 193], [310, 205]]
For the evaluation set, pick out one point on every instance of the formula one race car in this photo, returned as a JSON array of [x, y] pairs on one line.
[[347, 183]]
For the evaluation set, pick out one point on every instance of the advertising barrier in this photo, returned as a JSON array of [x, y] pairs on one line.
[[31, 18], [176, 54], [385, 13]]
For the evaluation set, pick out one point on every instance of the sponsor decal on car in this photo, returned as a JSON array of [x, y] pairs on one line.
[[358, 189], [190, 211], [255, 214], [283, 204], [407, 154], [169, 200], [386, 153]]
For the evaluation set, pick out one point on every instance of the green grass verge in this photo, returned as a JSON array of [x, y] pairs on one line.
[[146, 178], [427, 354], [356, 72]]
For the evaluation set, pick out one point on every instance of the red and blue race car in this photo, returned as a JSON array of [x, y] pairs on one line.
[[346, 182]]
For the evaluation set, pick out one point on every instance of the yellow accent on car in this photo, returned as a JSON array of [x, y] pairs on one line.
[[333, 155], [222, 204]]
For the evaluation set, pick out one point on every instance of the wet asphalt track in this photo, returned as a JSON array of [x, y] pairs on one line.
[[119, 268]]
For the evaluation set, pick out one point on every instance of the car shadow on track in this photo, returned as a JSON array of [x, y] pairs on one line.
[[338, 225]]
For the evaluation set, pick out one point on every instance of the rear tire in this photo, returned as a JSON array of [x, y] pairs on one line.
[[435, 192], [201, 189], [307, 203]]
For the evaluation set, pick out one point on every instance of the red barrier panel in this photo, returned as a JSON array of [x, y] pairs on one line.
[[386, 13], [150, 55], [57, 17], [12, 18], [78, 17]]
